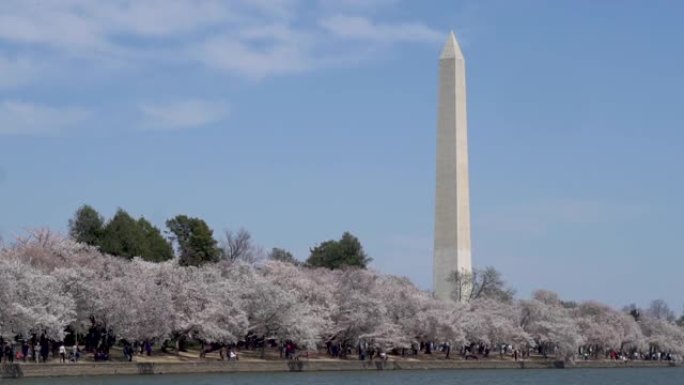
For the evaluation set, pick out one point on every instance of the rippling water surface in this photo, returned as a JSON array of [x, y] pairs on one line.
[[659, 376]]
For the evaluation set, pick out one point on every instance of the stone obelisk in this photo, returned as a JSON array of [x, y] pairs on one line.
[[452, 203]]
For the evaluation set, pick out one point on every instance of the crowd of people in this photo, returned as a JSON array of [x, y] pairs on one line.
[[37, 351], [42, 350]]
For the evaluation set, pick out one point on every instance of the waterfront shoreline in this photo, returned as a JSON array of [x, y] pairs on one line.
[[195, 367]]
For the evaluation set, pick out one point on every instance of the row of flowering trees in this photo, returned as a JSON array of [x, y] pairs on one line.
[[49, 284]]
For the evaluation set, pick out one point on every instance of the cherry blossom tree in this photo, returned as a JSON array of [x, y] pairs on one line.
[[550, 325], [206, 306], [32, 302], [275, 312], [603, 328], [495, 323], [49, 283], [662, 336]]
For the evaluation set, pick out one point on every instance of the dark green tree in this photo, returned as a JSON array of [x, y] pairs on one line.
[[337, 254], [195, 240], [126, 237], [86, 226], [282, 255], [633, 310], [122, 236], [156, 247]]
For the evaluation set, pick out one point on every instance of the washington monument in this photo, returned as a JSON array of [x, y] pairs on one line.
[[452, 202]]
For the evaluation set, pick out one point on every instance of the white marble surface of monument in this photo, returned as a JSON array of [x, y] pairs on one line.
[[452, 249]]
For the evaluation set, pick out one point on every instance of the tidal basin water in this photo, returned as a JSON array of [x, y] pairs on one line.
[[655, 376]]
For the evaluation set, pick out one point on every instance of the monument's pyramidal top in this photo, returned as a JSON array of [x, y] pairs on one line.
[[451, 48]]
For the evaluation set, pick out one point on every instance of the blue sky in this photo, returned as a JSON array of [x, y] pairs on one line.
[[299, 120]]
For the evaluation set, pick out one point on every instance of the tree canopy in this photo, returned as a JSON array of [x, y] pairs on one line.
[[156, 248], [333, 254], [126, 237], [87, 226], [122, 235], [50, 285], [282, 255], [195, 240]]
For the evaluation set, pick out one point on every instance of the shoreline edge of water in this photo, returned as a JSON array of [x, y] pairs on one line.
[[8, 371]]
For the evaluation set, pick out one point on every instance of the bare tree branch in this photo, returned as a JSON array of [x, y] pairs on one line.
[[238, 246]]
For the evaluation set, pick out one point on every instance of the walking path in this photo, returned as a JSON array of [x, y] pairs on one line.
[[164, 365]]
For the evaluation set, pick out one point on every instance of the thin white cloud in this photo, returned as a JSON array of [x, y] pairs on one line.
[[258, 55], [249, 38], [278, 9], [85, 24], [362, 28], [23, 118], [356, 5], [183, 114], [55, 26], [159, 18]]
